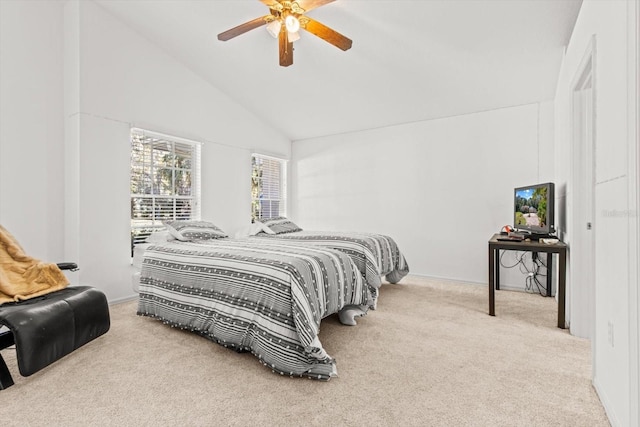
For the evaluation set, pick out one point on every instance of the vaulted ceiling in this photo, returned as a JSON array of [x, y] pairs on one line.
[[411, 60]]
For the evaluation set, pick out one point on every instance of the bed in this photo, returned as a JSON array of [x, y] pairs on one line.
[[267, 297], [375, 255]]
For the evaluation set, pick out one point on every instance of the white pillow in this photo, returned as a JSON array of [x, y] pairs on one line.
[[253, 229], [159, 236], [280, 225], [260, 227], [189, 230]]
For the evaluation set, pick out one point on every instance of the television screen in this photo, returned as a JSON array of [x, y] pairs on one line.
[[533, 208]]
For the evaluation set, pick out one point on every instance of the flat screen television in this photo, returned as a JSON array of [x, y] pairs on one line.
[[533, 210]]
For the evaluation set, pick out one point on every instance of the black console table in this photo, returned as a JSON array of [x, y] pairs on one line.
[[559, 248]]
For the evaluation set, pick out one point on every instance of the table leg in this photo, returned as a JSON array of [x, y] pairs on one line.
[[492, 291], [496, 263], [549, 272], [562, 281]]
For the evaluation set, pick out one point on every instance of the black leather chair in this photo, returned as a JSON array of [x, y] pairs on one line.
[[46, 328]]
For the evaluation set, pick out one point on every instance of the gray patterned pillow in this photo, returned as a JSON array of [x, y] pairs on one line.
[[187, 231], [280, 225]]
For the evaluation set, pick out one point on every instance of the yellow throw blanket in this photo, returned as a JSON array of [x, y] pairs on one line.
[[23, 277]]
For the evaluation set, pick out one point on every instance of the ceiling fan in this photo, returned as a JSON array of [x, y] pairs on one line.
[[284, 22]]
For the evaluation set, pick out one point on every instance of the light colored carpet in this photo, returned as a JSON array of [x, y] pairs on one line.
[[430, 355]]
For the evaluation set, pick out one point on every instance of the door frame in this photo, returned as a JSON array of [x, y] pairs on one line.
[[634, 218], [583, 136]]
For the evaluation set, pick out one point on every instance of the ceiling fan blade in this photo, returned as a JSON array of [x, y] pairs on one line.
[[327, 34], [241, 29], [286, 49], [307, 5]]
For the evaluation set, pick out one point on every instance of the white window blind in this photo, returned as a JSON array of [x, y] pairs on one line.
[[165, 181], [268, 187]]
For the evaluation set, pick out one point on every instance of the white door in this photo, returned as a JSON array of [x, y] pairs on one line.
[[582, 305]]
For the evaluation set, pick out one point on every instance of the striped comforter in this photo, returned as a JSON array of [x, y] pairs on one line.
[[267, 298], [375, 255]]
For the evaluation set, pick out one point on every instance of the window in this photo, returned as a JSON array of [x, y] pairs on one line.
[[268, 187], [165, 181]]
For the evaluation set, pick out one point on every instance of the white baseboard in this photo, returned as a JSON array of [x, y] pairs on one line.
[[123, 299], [503, 286], [606, 403], [447, 279]]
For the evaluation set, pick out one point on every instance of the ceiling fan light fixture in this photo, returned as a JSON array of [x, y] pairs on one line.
[[292, 37], [292, 24], [274, 27], [284, 21]]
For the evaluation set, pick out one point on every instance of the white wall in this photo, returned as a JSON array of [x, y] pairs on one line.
[[32, 126], [74, 80], [615, 355], [124, 80], [440, 188]]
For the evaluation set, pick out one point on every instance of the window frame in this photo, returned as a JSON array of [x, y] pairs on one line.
[[144, 227], [256, 213]]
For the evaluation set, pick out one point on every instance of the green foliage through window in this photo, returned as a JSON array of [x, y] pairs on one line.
[[165, 185], [268, 187]]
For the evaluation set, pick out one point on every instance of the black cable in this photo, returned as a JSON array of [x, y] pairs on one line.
[[547, 292], [532, 273], [540, 287], [524, 265], [527, 284], [541, 262], [507, 266]]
